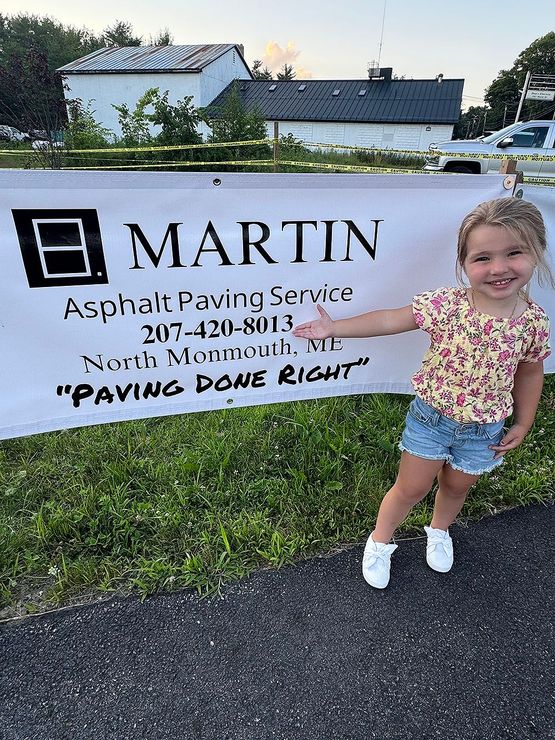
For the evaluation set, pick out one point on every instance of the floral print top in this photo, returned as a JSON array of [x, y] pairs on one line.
[[468, 371]]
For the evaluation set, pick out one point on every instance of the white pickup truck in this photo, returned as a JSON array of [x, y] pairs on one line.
[[535, 138]]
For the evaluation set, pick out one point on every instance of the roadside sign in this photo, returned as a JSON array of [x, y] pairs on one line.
[[547, 95]]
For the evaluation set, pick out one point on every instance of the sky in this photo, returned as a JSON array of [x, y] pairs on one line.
[[325, 39]]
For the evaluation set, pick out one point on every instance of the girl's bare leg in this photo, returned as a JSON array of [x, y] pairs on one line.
[[453, 489], [414, 480]]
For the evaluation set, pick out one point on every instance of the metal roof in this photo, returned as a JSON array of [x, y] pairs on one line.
[[394, 101], [189, 58]]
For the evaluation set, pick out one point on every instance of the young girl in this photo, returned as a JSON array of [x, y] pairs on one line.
[[485, 361]]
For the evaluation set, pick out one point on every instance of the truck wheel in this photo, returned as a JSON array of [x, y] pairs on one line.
[[460, 168]]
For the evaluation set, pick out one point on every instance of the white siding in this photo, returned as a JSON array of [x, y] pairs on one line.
[[369, 134], [105, 89], [303, 131], [217, 75], [439, 132], [330, 133], [384, 136]]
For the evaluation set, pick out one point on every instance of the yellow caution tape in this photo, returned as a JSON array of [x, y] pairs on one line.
[[122, 160], [256, 163], [368, 149], [159, 165], [479, 155], [427, 153], [380, 170], [176, 147], [348, 167], [547, 181], [145, 164], [347, 147]]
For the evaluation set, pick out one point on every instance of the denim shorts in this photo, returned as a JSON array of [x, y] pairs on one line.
[[465, 447]]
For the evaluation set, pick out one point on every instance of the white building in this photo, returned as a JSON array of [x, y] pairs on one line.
[[379, 112], [376, 112], [122, 74]]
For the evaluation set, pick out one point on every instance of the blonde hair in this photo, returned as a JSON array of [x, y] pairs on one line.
[[522, 219]]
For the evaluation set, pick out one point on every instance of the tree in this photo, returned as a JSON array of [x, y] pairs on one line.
[[539, 57], [83, 131], [31, 49], [120, 34], [164, 38], [286, 73], [135, 124], [259, 72], [503, 94], [31, 94], [234, 123], [472, 123], [178, 123], [61, 44]]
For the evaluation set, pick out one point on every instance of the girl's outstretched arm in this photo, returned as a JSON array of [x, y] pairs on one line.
[[527, 390], [371, 324]]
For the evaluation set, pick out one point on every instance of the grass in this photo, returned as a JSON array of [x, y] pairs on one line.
[[360, 158], [21, 157], [200, 500]]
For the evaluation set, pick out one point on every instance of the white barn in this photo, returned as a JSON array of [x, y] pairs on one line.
[[122, 74]]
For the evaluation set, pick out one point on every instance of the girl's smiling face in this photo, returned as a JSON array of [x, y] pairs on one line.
[[498, 265]]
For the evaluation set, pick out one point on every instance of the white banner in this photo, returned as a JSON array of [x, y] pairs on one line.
[[544, 199], [127, 295]]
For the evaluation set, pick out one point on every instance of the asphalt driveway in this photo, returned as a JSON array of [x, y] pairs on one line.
[[306, 652]]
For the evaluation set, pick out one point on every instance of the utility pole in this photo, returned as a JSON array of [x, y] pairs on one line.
[[276, 146], [538, 87], [524, 91]]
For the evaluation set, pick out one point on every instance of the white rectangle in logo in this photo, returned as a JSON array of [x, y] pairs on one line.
[[62, 247]]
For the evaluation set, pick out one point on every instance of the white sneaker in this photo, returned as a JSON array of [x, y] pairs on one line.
[[439, 550], [376, 563]]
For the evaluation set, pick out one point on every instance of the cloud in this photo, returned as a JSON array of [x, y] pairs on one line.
[[276, 56]]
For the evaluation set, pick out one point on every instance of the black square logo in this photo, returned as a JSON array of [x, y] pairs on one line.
[[61, 247]]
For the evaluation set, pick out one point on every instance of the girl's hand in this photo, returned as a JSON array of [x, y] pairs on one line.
[[512, 439], [322, 328]]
